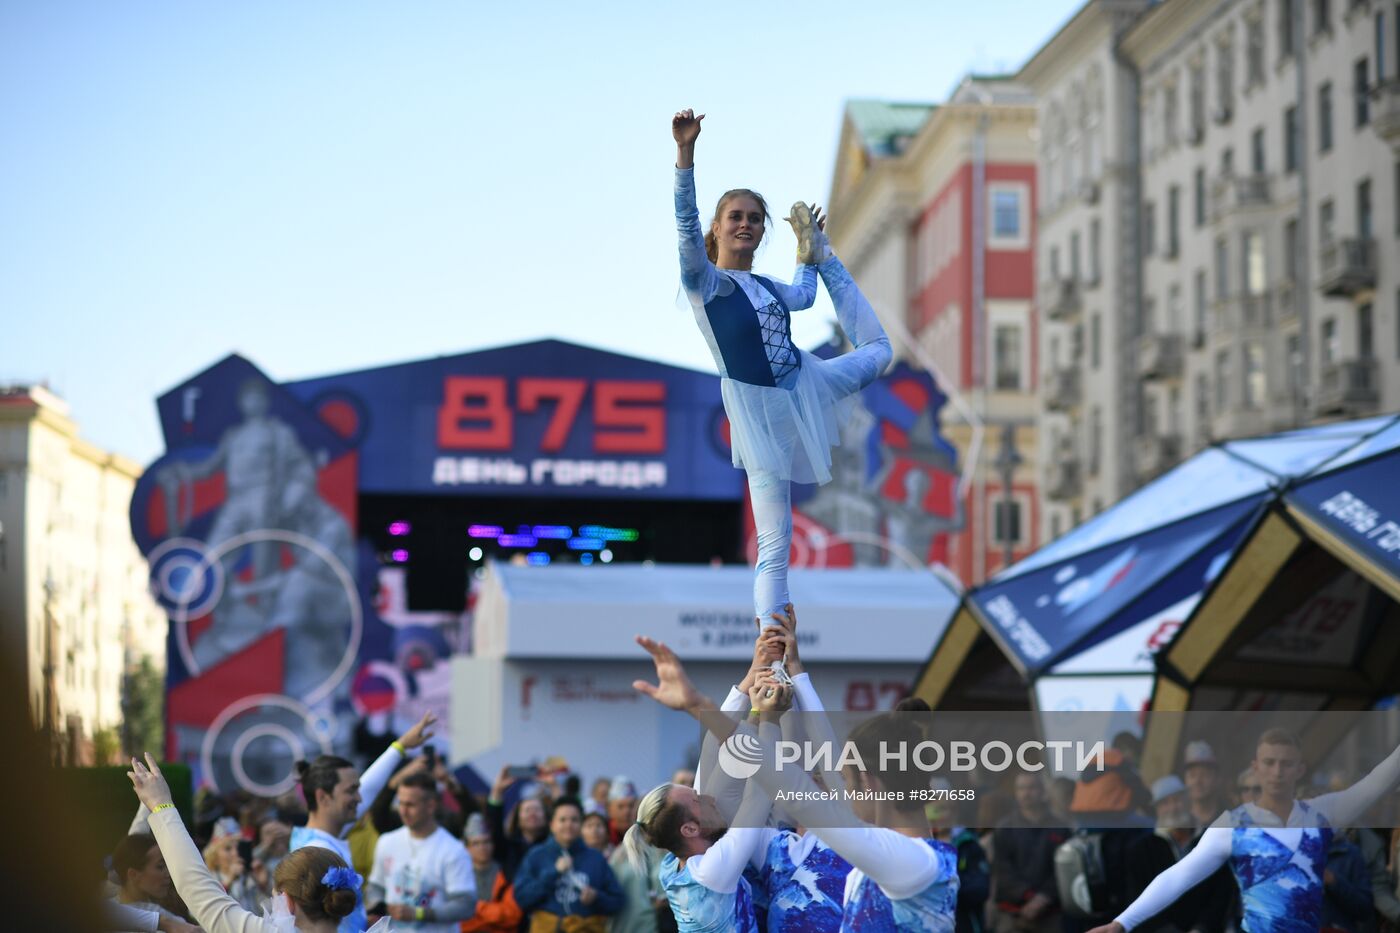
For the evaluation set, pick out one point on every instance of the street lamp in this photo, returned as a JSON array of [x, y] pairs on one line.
[[1008, 459]]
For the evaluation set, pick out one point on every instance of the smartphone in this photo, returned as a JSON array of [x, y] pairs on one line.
[[520, 772], [430, 753]]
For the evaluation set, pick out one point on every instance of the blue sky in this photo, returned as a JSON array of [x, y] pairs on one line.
[[333, 185]]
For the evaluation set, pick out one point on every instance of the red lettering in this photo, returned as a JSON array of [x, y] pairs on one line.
[[618, 404], [860, 696], [567, 395], [474, 400]]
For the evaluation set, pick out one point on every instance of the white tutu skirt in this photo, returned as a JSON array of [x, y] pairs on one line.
[[788, 431]]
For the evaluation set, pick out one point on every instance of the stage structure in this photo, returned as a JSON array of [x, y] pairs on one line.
[[316, 543]]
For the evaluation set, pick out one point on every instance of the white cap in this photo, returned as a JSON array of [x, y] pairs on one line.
[[1199, 753]]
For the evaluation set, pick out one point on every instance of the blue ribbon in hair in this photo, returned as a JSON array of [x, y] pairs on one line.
[[341, 878]]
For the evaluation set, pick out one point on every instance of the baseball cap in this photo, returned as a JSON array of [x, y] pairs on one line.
[[1164, 787], [1199, 753]]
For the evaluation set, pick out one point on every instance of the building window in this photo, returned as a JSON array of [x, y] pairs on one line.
[[1006, 361], [1227, 162], [1330, 347], [1173, 221], [1222, 269], [1149, 231], [1055, 263], [1196, 91], [1199, 302], [1254, 377], [1222, 379], [1095, 250], [1095, 340], [1174, 309], [1074, 266], [1170, 114], [1324, 117], [1285, 28], [1322, 16], [1010, 224], [1224, 79], [1095, 439], [1290, 249], [1293, 363], [1200, 197], [1007, 525], [1361, 91], [1257, 155], [1255, 280], [1056, 525], [1364, 228], [1202, 408], [1326, 222], [1254, 50], [1290, 140], [1365, 332], [1380, 46]]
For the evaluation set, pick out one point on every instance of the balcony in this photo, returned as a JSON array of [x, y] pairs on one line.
[[1385, 112], [1061, 389], [1348, 387], [1063, 479], [1159, 356], [1060, 299], [1348, 267], [1231, 193], [1154, 454]]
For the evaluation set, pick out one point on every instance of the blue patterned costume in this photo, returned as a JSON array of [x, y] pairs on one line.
[[1280, 880], [870, 910], [804, 895], [699, 909]]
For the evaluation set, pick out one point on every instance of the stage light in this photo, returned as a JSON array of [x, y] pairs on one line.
[[474, 553], [485, 531], [399, 529], [558, 532], [400, 556], [605, 556], [609, 534], [585, 559], [537, 559], [585, 544], [517, 541]]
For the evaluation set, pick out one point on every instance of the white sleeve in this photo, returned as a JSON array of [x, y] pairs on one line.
[[373, 781], [802, 293], [207, 900], [117, 916], [461, 878], [376, 868], [736, 702], [760, 850], [720, 866], [806, 700], [141, 822], [901, 865], [1209, 854], [1342, 807]]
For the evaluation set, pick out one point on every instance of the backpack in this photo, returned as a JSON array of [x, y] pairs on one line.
[[1081, 879]]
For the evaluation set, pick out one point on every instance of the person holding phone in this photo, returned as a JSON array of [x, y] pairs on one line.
[[527, 823]]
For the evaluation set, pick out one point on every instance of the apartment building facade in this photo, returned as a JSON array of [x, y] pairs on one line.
[[1271, 198], [932, 210], [75, 612]]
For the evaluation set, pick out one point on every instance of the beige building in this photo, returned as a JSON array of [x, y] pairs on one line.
[[932, 212], [1219, 241], [1271, 199], [74, 607], [1087, 261]]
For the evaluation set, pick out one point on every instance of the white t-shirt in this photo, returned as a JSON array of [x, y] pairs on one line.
[[422, 872]]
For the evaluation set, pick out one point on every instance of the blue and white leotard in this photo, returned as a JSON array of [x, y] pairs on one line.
[[1278, 866], [806, 884]]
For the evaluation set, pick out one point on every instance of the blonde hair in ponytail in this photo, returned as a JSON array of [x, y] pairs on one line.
[[652, 829]]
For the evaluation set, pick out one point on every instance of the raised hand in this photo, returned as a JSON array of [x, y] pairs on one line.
[[685, 127], [767, 695], [673, 688], [149, 783], [421, 732]]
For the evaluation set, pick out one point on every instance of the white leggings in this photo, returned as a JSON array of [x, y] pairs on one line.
[[770, 494]]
